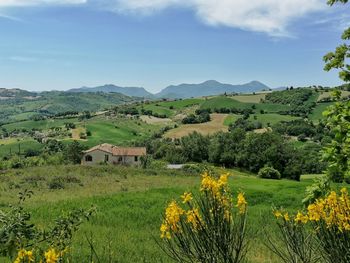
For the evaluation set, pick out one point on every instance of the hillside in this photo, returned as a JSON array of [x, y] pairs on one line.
[[56, 102], [110, 88], [15, 94], [210, 87]]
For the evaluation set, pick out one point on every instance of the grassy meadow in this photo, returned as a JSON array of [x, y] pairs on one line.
[[130, 202]]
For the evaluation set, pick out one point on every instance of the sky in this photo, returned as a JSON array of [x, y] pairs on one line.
[[64, 44]]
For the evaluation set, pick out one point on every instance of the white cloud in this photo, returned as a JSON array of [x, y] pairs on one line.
[[268, 16], [17, 3]]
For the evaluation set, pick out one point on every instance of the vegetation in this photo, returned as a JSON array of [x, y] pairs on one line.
[[211, 229]]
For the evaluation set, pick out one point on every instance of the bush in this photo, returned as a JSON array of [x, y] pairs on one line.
[[269, 173], [56, 183], [208, 228]]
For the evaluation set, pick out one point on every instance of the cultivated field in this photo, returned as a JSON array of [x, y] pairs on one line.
[[216, 124], [253, 98]]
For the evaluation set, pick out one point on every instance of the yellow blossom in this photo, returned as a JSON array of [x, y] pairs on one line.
[[286, 216], [193, 218], [186, 197], [24, 256], [277, 214], [51, 256], [241, 203], [300, 218]]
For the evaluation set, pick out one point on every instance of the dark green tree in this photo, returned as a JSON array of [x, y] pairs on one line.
[[338, 115], [73, 152]]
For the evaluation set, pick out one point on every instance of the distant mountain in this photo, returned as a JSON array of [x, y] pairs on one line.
[[15, 93], [210, 87], [110, 88]]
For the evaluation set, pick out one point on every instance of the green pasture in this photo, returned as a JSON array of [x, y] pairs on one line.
[[118, 131], [227, 102], [316, 114], [157, 108], [15, 146], [271, 118], [251, 98], [231, 119], [130, 203], [180, 104], [41, 125]]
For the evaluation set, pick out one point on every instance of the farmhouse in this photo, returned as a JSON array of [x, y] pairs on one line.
[[108, 153]]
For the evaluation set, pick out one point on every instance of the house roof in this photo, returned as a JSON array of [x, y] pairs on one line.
[[118, 151]]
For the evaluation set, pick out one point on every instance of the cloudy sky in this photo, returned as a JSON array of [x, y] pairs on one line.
[[62, 44]]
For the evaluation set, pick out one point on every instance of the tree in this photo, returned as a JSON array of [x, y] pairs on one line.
[[74, 152], [195, 147], [338, 115]]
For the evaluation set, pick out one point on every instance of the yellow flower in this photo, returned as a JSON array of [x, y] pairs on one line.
[[24, 256], [300, 218], [186, 197], [164, 230], [277, 214], [241, 203], [286, 216], [193, 218], [51, 256], [172, 217]]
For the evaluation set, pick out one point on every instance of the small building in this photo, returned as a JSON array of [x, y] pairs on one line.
[[108, 153]]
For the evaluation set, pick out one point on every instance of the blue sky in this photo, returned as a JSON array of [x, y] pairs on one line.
[[63, 44]]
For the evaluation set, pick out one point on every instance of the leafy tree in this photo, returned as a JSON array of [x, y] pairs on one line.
[[74, 152], [338, 115], [195, 147]]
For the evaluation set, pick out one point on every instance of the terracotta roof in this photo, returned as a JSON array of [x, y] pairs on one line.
[[118, 151]]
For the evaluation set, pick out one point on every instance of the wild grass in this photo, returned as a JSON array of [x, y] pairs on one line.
[[130, 202]]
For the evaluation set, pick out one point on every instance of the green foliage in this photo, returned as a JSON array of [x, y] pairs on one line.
[[295, 128], [294, 242], [18, 232], [200, 118], [195, 147], [269, 173], [73, 152], [320, 188], [210, 229], [338, 152]]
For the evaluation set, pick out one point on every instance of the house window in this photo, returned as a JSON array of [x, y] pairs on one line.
[[88, 158], [136, 158], [106, 158], [120, 159]]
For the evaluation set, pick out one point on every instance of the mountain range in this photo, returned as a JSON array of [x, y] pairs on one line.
[[207, 88]]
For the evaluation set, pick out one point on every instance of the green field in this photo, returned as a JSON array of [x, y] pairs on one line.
[[271, 118], [130, 203], [316, 114], [12, 146], [118, 131], [230, 119], [226, 102], [252, 98], [39, 125], [180, 104]]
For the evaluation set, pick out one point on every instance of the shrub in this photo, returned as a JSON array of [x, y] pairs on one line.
[[321, 232], [56, 183], [22, 241], [208, 228], [269, 173]]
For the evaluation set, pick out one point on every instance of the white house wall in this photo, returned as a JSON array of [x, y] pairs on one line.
[[98, 157]]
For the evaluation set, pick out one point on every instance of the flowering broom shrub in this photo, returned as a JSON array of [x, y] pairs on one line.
[[23, 242], [325, 227], [209, 228]]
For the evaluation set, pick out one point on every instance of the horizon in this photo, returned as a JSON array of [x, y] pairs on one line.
[[66, 44]]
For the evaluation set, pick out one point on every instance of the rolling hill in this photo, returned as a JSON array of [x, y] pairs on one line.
[[110, 88]]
